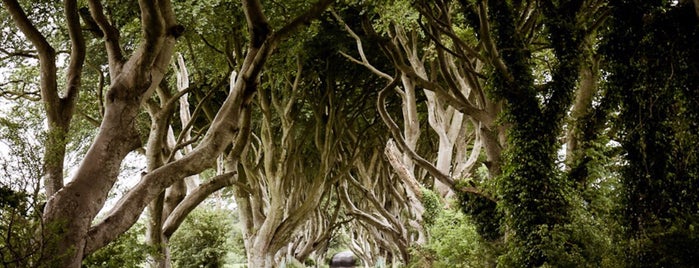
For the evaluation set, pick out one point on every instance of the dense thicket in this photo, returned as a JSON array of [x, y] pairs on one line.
[[657, 83]]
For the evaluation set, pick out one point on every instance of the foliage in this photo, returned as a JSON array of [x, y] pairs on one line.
[[235, 243], [19, 220], [385, 13], [455, 242], [433, 207], [595, 211], [610, 206], [9, 198], [20, 175], [483, 212], [129, 250], [215, 33], [534, 193], [21, 131], [651, 46], [203, 239]]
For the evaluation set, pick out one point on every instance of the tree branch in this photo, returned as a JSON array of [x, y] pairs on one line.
[[47, 56], [18, 53], [360, 48], [395, 132], [28, 29], [77, 57], [193, 199], [224, 127], [258, 27], [393, 155], [153, 29], [111, 37], [304, 18], [490, 43]]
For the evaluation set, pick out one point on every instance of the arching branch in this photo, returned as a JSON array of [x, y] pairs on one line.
[[395, 132]]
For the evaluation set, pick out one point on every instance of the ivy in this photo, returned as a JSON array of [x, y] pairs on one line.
[[482, 211], [433, 207], [534, 193], [649, 47]]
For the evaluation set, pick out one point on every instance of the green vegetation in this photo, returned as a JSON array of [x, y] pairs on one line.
[[413, 133], [129, 250], [455, 242], [657, 120], [208, 238]]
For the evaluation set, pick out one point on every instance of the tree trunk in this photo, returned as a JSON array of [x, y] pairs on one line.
[[159, 256], [68, 234], [69, 213], [258, 258], [534, 194], [162, 148]]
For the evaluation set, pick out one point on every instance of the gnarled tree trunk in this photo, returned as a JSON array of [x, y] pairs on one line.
[[70, 211]]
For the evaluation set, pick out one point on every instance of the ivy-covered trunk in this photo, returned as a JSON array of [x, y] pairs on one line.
[[534, 194], [653, 52]]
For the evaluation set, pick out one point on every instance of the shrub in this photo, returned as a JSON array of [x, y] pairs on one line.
[[128, 250], [455, 242], [203, 239]]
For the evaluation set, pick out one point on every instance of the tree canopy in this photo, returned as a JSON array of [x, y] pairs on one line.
[[171, 133]]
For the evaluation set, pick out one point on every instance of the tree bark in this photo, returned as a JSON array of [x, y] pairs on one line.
[[59, 109], [71, 209], [277, 177], [221, 133]]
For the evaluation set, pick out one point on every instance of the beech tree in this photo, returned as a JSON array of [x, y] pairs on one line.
[[282, 191], [72, 207], [454, 112], [563, 130], [487, 65], [501, 36]]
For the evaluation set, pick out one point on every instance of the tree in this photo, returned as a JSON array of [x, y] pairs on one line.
[[59, 109], [280, 189], [133, 79], [542, 117], [452, 110], [533, 192], [653, 80], [482, 67], [386, 225]]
